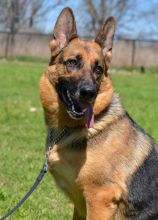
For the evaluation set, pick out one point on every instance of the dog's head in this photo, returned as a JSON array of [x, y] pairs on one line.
[[78, 69]]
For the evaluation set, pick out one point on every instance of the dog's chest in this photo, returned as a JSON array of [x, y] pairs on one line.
[[61, 169], [64, 166]]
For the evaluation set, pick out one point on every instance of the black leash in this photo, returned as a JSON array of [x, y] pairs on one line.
[[52, 141]]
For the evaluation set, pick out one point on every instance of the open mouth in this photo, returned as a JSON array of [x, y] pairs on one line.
[[77, 109]]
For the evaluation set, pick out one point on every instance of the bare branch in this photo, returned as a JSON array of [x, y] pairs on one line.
[[100, 9], [20, 14]]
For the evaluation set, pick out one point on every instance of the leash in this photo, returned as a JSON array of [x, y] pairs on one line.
[[52, 140]]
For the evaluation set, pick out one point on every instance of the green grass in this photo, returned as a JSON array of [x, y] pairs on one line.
[[22, 146], [139, 95], [22, 135], [135, 70], [29, 59]]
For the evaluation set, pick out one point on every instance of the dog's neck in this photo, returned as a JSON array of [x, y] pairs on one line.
[[113, 112]]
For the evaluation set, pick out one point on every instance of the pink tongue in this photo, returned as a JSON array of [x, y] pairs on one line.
[[88, 117]]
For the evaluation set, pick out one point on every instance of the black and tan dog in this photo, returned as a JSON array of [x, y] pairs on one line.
[[107, 165]]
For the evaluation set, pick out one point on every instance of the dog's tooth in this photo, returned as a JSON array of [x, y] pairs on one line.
[[84, 110], [73, 108], [69, 97], [81, 113], [68, 94], [75, 114]]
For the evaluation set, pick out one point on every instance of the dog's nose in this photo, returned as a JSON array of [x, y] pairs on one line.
[[87, 93]]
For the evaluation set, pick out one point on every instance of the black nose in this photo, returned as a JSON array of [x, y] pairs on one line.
[[88, 93]]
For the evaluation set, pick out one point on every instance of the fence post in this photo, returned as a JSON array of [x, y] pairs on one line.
[[133, 52], [7, 45]]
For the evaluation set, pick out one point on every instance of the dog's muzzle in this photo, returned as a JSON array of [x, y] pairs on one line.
[[78, 99]]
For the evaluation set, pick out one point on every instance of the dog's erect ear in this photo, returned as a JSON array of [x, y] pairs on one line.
[[64, 31], [105, 38]]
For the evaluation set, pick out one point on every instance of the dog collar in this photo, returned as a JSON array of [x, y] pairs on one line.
[[54, 136]]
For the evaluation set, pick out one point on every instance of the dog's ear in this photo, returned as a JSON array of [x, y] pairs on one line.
[[105, 38], [64, 31]]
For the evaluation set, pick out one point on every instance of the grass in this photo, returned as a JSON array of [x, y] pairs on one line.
[[22, 146], [29, 59], [22, 135], [139, 95]]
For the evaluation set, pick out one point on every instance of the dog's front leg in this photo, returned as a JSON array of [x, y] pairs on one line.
[[76, 215], [102, 202]]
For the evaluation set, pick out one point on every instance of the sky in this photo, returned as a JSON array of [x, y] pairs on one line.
[[139, 22]]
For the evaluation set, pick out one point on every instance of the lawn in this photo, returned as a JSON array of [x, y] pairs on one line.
[[22, 135]]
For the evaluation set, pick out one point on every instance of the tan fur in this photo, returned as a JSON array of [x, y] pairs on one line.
[[70, 166], [97, 167], [55, 112], [94, 172], [52, 105]]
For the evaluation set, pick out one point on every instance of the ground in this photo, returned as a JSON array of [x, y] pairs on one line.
[[22, 134]]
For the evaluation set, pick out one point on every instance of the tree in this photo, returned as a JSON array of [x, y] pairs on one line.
[[134, 18], [20, 14], [16, 15], [98, 11]]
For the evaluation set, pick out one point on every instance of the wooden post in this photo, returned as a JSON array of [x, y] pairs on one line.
[[7, 45], [133, 52]]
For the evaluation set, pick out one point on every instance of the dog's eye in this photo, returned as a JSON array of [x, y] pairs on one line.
[[71, 62], [98, 70]]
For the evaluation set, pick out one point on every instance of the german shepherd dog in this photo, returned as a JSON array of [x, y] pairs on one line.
[[106, 164]]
